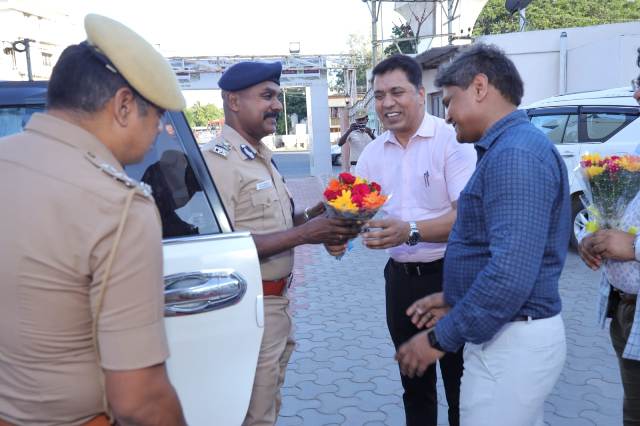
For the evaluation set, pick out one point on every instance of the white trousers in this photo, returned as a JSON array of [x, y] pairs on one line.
[[506, 380]]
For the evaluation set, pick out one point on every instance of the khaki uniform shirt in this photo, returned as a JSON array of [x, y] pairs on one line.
[[253, 193], [358, 140], [60, 213]]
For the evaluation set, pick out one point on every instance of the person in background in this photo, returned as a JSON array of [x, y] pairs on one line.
[[355, 139]]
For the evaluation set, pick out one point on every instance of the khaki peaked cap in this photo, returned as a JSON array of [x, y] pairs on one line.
[[139, 63]]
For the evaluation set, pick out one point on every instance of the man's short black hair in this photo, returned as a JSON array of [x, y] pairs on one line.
[[483, 59], [411, 68], [80, 82]]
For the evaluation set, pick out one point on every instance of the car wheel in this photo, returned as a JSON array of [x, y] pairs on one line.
[[580, 217], [336, 160]]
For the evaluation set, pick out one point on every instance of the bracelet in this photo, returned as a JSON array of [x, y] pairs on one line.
[[306, 215]]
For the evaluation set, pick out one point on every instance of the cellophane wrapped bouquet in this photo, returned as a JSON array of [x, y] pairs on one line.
[[353, 197], [611, 183]]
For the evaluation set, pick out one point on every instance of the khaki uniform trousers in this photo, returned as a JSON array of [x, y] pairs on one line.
[[276, 349]]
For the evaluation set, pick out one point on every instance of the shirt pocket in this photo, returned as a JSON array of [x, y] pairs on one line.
[[433, 191], [267, 203]]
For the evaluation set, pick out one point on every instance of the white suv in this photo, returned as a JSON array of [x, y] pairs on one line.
[[213, 292], [604, 121]]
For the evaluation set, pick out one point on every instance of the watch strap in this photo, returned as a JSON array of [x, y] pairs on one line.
[[433, 340]]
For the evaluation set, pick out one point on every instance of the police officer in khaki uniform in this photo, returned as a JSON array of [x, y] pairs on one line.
[[256, 199], [81, 312]]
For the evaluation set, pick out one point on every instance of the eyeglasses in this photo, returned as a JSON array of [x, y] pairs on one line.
[[635, 84]]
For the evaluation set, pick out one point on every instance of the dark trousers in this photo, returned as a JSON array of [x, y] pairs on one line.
[[621, 322], [403, 286]]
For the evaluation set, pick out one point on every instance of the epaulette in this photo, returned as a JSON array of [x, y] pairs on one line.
[[141, 187], [222, 148]]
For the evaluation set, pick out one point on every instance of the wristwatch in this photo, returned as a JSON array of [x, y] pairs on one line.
[[433, 340], [414, 234]]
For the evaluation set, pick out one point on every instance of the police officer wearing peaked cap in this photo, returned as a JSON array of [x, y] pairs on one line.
[[257, 200], [81, 332]]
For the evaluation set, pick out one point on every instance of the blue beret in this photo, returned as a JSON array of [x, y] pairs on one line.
[[246, 74]]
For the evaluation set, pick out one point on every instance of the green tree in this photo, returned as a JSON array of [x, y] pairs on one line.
[[549, 14], [296, 103], [199, 115], [406, 46]]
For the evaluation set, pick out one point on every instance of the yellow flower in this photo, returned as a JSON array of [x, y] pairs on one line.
[[633, 230], [594, 171], [359, 180], [343, 203], [591, 157], [591, 226], [630, 163]]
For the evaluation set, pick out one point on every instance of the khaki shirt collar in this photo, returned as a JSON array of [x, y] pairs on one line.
[[237, 141], [72, 135]]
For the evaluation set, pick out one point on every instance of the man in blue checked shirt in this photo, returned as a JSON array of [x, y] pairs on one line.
[[505, 252], [619, 254]]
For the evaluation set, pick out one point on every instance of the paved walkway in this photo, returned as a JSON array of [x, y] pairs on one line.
[[343, 372]]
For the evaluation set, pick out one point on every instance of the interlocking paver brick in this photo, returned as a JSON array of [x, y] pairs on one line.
[[357, 417], [339, 311]]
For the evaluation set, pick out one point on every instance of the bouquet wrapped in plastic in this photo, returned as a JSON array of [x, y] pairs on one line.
[[352, 197], [611, 183]]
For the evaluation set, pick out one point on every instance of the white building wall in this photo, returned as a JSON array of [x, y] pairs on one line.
[[598, 57], [50, 28]]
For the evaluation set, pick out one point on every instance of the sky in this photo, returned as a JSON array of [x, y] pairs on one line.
[[241, 27], [236, 27]]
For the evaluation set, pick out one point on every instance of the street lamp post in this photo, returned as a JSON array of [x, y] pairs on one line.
[[23, 46]]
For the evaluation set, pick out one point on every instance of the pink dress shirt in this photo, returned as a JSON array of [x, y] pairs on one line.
[[424, 178]]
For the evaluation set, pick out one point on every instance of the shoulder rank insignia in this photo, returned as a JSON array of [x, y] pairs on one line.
[[119, 176], [222, 148], [248, 151]]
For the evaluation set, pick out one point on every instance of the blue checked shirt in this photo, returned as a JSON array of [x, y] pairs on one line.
[[509, 243]]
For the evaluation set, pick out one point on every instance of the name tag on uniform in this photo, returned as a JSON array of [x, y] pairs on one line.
[[264, 185]]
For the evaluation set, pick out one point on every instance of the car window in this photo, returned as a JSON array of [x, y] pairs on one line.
[[552, 126], [183, 205], [571, 130], [181, 200], [601, 126], [13, 119]]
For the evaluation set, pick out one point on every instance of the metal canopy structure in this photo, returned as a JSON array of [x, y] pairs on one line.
[[374, 9], [308, 71]]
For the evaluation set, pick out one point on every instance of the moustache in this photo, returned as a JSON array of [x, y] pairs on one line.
[[270, 115]]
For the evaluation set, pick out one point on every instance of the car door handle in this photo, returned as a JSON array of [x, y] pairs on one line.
[[192, 293], [567, 154]]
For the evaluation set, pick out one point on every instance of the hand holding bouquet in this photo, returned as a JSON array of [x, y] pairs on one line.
[[611, 183]]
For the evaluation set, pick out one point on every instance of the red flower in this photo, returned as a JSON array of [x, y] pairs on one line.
[[347, 178], [375, 187], [357, 199], [360, 189], [331, 195]]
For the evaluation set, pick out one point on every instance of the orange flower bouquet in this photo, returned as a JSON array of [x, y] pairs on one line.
[[353, 197]]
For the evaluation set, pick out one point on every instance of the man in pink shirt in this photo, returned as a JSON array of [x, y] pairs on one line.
[[420, 162]]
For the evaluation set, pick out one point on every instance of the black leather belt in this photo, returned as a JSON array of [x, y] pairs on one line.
[[417, 268], [627, 298]]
